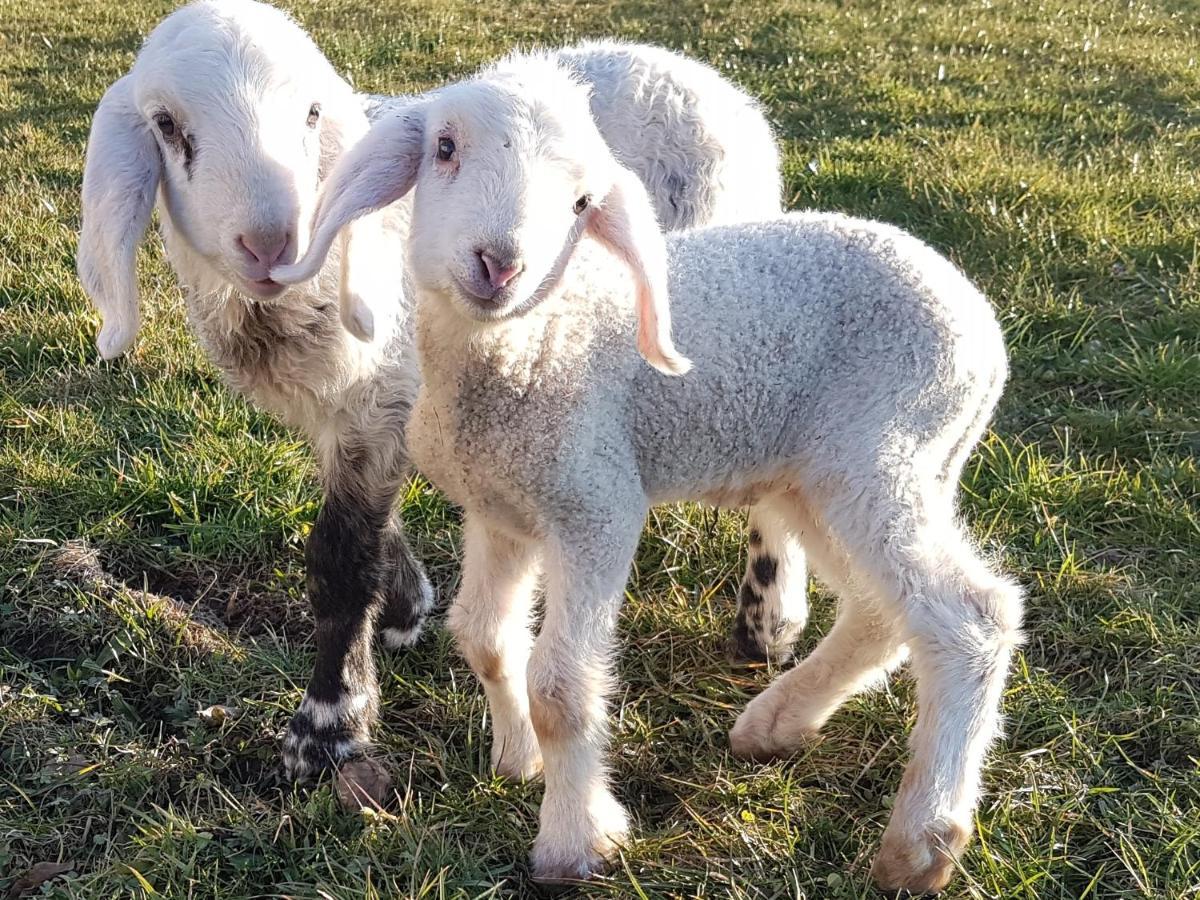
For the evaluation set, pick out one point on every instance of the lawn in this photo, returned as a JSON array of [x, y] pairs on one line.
[[151, 525]]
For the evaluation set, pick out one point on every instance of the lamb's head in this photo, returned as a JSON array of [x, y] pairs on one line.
[[231, 116], [510, 174]]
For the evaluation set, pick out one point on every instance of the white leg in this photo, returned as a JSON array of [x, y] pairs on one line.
[[860, 650], [962, 622], [582, 824], [490, 621]]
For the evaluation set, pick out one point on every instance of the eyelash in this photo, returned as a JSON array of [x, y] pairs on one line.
[[172, 134]]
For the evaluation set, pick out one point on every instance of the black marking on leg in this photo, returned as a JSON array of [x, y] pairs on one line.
[[342, 556], [405, 586], [765, 569], [749, 598], [746, 641]]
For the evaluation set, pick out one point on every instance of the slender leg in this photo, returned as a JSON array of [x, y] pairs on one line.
[[490, 621], [333, 722], [962, 622], [860, 650], [582, 823], [773, 599], [357, 562]]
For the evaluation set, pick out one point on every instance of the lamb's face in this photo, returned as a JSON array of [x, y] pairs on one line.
[[238, 120], [503, 191]]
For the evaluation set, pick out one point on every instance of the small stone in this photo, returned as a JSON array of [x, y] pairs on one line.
[[363, 784]]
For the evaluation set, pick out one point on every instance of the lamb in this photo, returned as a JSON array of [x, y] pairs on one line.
[[230, 118], [839, 372]]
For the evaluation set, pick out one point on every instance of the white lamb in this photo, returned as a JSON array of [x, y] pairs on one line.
[[228, 121], [843, 371]]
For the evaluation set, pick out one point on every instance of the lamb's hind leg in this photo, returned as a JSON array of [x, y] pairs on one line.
[[859, 651], [408, 595], [961, 621], [773, 598]]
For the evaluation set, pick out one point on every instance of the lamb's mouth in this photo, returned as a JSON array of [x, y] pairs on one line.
[[265, 288], [495, 307]]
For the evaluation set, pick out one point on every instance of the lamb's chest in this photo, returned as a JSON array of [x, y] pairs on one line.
[[469, 449]]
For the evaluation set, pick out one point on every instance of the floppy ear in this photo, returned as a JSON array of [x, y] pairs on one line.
[[370, 284], [367, 284], [625, 223], [120, 177], [377, 171]]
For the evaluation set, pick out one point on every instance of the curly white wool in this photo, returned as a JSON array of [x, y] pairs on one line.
[[841, 373]]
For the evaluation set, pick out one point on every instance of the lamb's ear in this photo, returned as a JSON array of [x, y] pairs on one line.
[[371, 284], [378, 170], [624, 222], [120, 178], [367, 286]]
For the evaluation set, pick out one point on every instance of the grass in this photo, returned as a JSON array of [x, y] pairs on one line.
[[1049, 148]]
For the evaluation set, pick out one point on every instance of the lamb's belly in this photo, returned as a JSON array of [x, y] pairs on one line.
[[731, 488]]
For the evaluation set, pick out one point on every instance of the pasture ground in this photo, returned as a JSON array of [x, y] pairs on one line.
[[1050, 148]]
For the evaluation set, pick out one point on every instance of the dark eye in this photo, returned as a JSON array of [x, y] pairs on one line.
[[165, 124], [314, 113], [582, 203], [445, 150]]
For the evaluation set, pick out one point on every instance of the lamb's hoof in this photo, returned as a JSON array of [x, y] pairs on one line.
[[920, 864], [363, 783], [569, 870], [747, 645], [571, 851], [309, 750], [759, 736]]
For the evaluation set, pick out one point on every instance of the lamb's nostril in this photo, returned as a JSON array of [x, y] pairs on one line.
[[500, 272], [266, 247]]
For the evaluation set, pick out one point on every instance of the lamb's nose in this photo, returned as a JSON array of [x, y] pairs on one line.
[[500, 272], [265, 246]]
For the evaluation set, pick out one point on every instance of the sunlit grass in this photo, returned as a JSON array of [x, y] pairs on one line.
[[1050, 149]]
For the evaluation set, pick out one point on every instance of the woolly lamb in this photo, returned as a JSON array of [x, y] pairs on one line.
[[231, 117], [843, 372]]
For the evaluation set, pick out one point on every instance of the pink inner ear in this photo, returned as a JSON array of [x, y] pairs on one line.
[[626, 224]]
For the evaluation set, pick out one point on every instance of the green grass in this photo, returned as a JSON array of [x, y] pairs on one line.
[[1050, 149]]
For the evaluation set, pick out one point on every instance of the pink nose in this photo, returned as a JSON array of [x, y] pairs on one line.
[[264, 247], [500, 273]]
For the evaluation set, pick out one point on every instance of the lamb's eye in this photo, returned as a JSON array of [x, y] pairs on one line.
[[165, 124], [445, 150], [314, 113], [582, 203]]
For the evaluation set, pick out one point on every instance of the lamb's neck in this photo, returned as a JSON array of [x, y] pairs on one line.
[[508, 355], [290, 355]]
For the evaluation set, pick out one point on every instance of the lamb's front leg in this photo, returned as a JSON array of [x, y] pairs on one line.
[[490, 621], [333, 722], [582, 824]]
